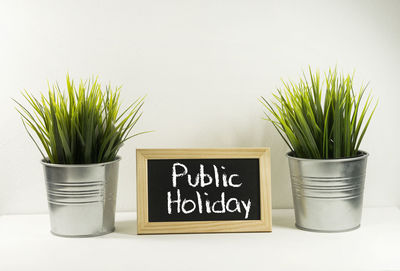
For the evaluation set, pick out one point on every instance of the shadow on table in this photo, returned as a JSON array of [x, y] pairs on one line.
[[283, 220], [128, 227]]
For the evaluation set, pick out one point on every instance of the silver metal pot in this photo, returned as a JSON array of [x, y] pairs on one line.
[[81, 198], [328, 193]]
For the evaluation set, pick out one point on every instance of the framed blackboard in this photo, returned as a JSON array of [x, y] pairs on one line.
[[203, 190]]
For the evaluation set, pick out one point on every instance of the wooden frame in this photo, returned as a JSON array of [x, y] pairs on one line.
[[146, 227]]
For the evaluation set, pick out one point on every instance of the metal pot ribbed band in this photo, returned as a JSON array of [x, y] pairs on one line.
[[72, 193], [328, 188]]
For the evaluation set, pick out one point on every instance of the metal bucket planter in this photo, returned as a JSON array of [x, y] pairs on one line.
[[81, 198], [328, 193]]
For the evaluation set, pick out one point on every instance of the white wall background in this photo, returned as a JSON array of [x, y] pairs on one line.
[[203, 65]]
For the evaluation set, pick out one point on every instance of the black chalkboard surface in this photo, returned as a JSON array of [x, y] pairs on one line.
[[203, 190]]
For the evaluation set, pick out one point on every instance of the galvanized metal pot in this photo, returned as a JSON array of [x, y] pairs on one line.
[[328, 193], [81, 198]]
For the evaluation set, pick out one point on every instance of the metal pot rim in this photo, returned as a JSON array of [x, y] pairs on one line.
[[363, 155], [43, 162]]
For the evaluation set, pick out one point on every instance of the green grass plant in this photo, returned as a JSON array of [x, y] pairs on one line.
[[81, 126], [321, 119]]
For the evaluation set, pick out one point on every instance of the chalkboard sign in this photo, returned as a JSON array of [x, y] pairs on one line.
[[203, 190]]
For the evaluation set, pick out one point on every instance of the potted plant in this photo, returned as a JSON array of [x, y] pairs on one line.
[[323, 123], [79, 134]]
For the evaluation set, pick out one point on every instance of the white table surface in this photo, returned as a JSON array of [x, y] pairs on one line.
[[26, 244]]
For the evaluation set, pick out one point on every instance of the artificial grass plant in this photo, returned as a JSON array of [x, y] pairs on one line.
[[82, 126], [320, 119]]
